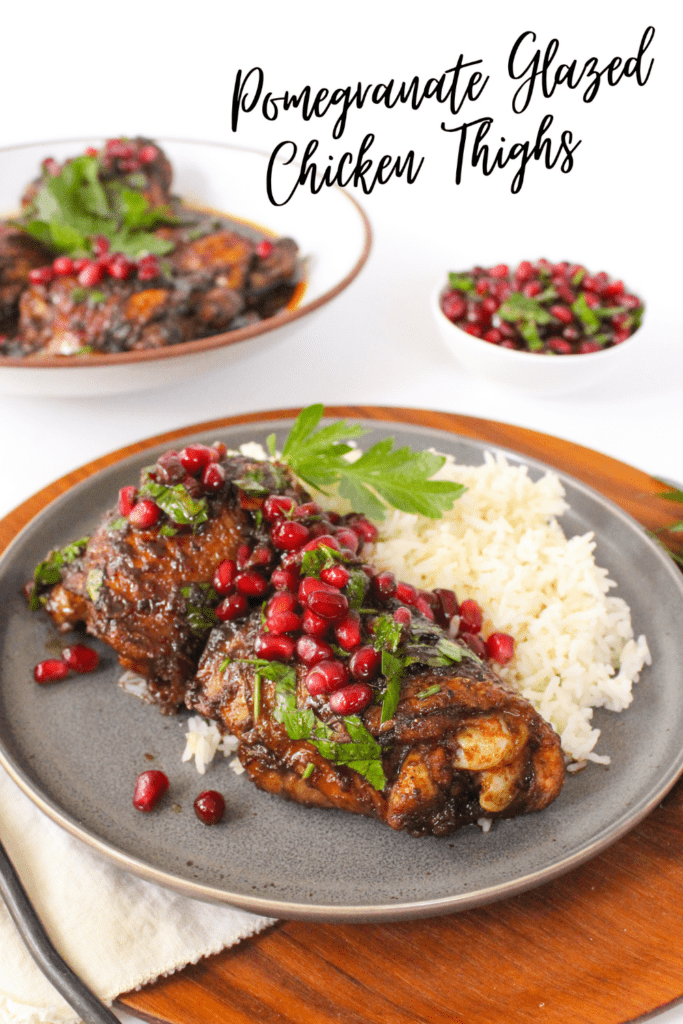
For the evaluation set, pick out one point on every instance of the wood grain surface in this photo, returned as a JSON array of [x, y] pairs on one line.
[[602, 945]]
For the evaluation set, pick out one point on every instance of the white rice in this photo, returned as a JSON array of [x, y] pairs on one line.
[[501, 545]]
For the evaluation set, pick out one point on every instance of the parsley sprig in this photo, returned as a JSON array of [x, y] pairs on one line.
[[675, 495], [49, 571], [75, 205], [383, 477]]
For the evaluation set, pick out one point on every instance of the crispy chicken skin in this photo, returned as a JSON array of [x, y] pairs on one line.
[[473, 749]]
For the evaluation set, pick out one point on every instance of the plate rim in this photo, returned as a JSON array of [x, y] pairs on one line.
[[375, 913]]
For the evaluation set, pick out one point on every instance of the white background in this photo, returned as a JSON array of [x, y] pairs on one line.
[[79, 69]]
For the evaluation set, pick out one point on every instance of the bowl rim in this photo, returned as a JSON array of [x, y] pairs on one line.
[[516, 354], [258, 329]]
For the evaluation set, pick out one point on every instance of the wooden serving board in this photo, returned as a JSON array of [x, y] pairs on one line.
[[602, 945]]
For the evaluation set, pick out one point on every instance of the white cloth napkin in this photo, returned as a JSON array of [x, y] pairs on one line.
[[116, 931]]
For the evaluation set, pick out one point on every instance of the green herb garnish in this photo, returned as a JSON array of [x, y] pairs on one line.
[[520, 307], [393, 668], [72, 207], [200, 601], [176, 502], [361, 752], [355, 589], [461, 282], [675, 495], [429, 692], [308, 771], [93, 583], [49, 572], [587, 316], [387, 633], [382, 477]]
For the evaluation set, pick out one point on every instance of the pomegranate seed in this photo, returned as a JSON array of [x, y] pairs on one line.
[[383, 585], [532, 288], [149, 789], [475, 644], [475, 331], [423, 606], [502, 291], [195, 458], [565, 292], [311, 583], [148, 268], [100, 245], [91, 151], [326, 677], [285, 579], [447, 607], [120, 268], [366, 530], [282, 603], [127, 498], [81, 658], [243, 556], [261, 555], [145, 514], [562, 313], [585, 347], [500, 270], [233, 607], [119, 149], [364, 664], [50, 671], [592, 301], [351, 698], [524, 271], [224, 577], [348, 539], [347, 631], [50, 165], [406, 593], [311, 651], [213, 476], [454, 306], [81, 264], [544, 267], [589, 284], [274, 648], [482, 286], [169, 469], [620, 336], [612, 289], [283, 622], [630, 301], [264, 249], [91, 275], [63, 265], [323, 540], [209, 805], [250, 583], [148, 154], [471, 617], [559, 345], [276, 506], [500, 647], [493, 336], [314, 625], [41, 275], [570, 333], [310, 508], [336, 576], [403, 617], [289, 535], [328, 605]]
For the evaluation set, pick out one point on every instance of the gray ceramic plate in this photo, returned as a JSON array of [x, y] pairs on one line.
[[76, 749]]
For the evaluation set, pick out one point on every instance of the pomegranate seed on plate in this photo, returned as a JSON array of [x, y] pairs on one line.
[[500, 647], [311, 583], [274, 648], [41, 275], [209, 806], [150, 786], [127, 498], [403, 616], [91, 275], [471, 617], [264, 249], [323, 540], [364, 664], [195, 458], [233, 607], [100, 245], [448, 606], [50, 671], [475, 644], [423, 606], [289, 535], [80, 658], [384, 585], [328, 605], [120, 268], [213, 476], [311, 651], [348, 632], [336, 576], [309, 508], [285, 579], [224, 577], [148, 154], [145, 514], [283, 622], [406, 593], [314, 625], [148, 268], [351, 698], [63, 265], [276, 506], [326, 677], [251, 583], [281, 603]]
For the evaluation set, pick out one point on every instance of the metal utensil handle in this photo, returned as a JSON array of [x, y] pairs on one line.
[[74, 991]]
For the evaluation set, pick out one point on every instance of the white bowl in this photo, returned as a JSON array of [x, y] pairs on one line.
[[531, 372], [330, 228]]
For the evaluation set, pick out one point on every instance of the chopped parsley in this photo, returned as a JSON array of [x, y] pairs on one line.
[[388, 633], [49, 572], [93, 583], [429, 692], [200, 601], [176, 501]]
